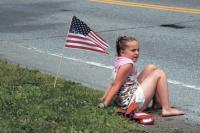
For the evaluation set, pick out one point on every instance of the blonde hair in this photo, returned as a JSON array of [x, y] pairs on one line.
[[121, 43]]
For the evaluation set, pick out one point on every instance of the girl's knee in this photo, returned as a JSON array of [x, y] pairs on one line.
[[161, 73], [151, 67]]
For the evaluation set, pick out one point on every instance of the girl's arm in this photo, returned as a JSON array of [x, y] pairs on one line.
[[106, 92], [121, 76]]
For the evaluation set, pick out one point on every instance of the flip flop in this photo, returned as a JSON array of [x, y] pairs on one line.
[[132, 108], [147, 121], [141, 115], [144, 118]]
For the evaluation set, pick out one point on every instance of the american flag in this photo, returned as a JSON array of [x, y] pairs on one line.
[[82, 37]]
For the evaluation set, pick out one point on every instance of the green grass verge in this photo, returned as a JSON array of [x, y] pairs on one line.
[[29, 103]]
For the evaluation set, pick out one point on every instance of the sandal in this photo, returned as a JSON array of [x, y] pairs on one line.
[[147, 121], [132, 108], [141, 115]]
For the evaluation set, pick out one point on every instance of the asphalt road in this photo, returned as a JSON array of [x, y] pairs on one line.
[[32, 34]]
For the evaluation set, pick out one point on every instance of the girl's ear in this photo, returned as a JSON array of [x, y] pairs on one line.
[[121, 52]]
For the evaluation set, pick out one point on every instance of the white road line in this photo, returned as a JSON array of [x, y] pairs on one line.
[[103, 66]]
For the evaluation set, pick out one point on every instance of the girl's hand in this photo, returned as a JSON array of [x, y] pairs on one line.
[[101, 105]]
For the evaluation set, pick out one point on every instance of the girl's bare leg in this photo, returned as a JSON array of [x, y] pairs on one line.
[[156, 82], [142, 76], [156, 102], [145, 72]]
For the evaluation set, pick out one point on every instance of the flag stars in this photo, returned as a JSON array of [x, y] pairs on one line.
[[79, 27]]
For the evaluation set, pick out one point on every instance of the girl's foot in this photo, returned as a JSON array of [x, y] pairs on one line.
[[172, 112]]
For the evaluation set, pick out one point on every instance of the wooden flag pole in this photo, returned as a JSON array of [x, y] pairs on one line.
[[61, 61], [58, 70]]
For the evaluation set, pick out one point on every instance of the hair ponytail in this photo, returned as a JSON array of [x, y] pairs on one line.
[[121, 43]]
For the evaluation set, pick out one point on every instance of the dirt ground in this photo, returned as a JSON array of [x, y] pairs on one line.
[[171, 125]]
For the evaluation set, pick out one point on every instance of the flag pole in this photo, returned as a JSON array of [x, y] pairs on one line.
[[58, 70], [61, 61]]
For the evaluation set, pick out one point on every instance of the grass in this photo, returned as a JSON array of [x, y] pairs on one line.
[[30, 104]]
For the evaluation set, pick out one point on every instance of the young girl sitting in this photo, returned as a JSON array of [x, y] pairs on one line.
[[129, 86]]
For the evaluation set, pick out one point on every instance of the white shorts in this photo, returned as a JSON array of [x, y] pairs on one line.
[[139, 97]]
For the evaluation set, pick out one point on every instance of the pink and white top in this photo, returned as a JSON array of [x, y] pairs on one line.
[[130, 85]]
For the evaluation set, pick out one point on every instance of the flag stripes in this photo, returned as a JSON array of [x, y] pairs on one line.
[[82, 37], [94, 36], [75, 41]]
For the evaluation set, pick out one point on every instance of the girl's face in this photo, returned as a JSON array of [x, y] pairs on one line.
[[132, 51]]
